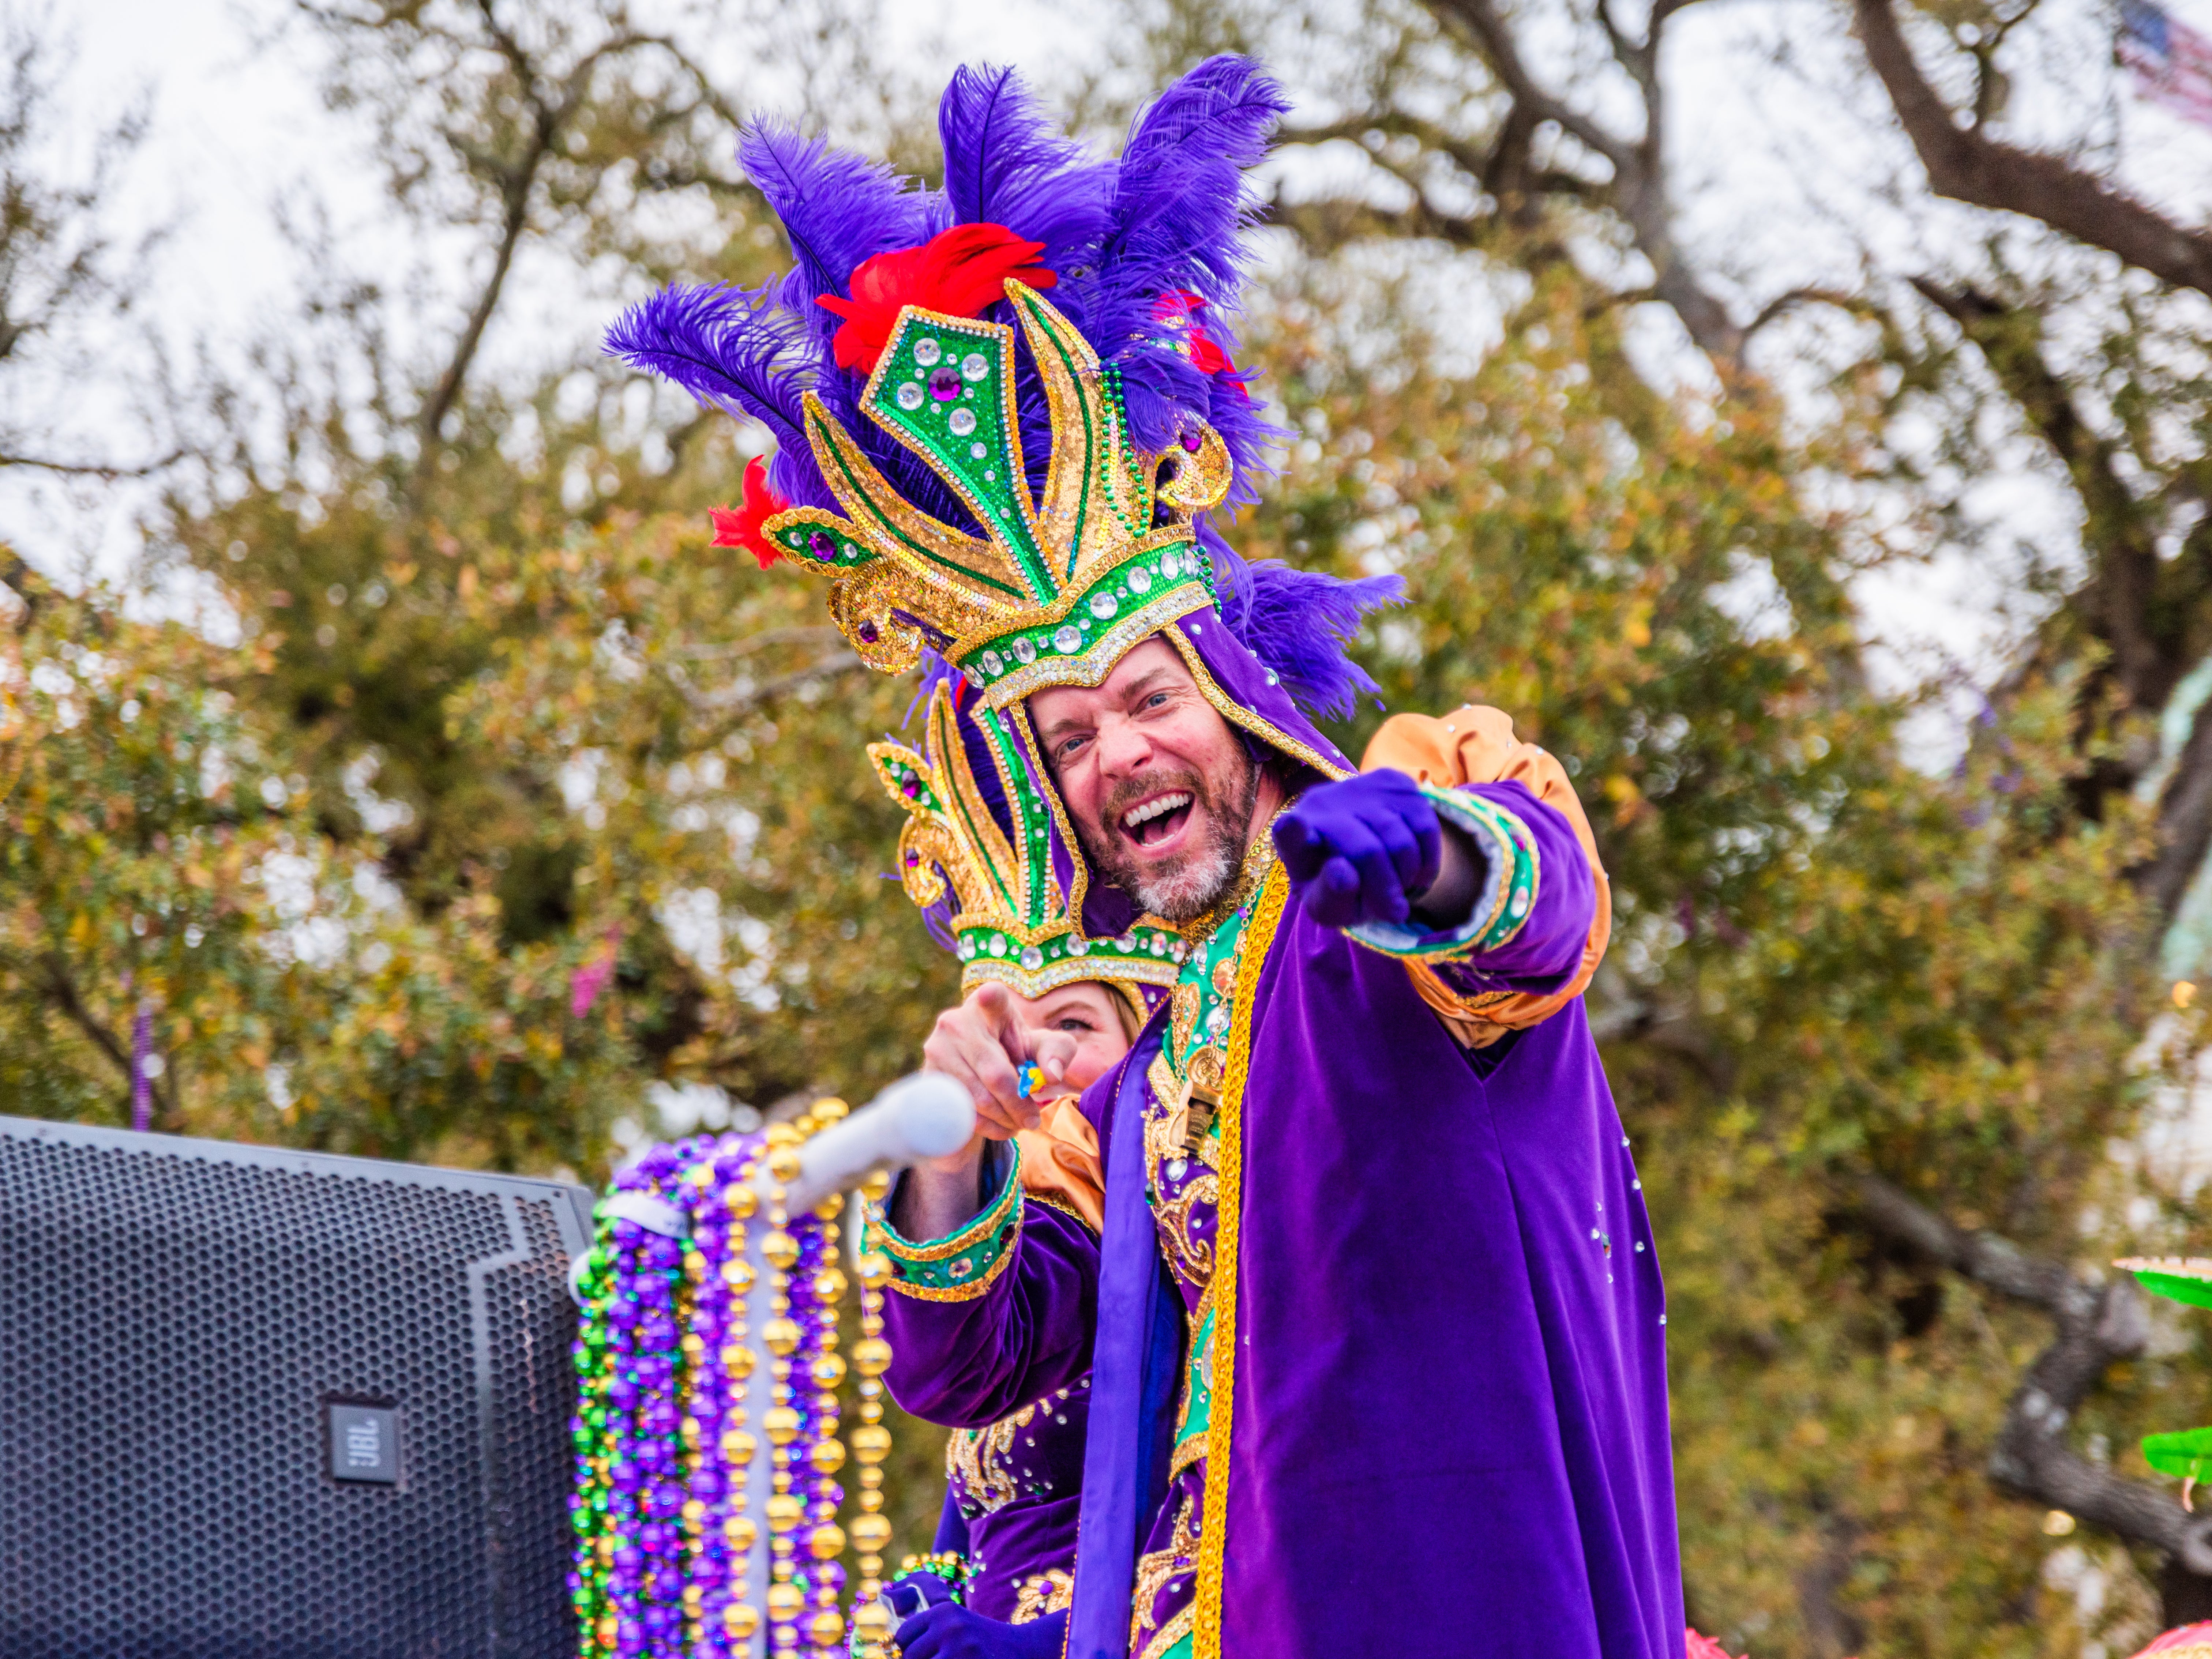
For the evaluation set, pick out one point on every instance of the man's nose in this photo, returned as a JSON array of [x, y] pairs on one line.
[[1123, 748]]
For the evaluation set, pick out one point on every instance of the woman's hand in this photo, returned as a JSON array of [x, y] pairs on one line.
[[980, 1044]]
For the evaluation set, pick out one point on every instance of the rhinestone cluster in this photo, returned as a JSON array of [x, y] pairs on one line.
[[1148, 577], [991, 943]]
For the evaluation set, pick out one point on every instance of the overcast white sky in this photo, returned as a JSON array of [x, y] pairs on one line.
[[1781, 156]]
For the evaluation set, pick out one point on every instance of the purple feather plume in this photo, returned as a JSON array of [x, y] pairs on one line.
[[1297, 623], [838, 209], [937, 919], [1180, 214], [736, 350], [1008, 163], [934, 670]]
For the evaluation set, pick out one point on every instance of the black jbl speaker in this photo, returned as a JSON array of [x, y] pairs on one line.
[[267, 1405]]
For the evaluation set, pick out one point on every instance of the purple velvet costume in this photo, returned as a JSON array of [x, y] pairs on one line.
[[1450, 1401], [1012, 1501]]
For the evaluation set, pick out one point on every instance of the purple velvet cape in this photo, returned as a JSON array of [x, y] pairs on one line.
[[1449, 1429]]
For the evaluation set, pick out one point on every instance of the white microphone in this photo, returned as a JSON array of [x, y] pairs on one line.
[[926, 1115]]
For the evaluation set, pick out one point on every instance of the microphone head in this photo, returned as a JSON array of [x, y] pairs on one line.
[[934, 1115]]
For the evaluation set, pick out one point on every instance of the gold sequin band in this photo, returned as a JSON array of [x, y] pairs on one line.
[[961, 1266], [1267, 916]]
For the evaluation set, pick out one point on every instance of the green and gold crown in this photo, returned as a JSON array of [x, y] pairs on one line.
[[1012, 920], [1062, 585]]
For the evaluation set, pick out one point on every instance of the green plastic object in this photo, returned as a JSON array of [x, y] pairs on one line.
[[2178, 1287], [2187, 1454]]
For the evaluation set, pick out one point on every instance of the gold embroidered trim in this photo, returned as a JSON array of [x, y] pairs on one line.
[[1267, 916], [1003, 1215], [1047, 1592], [1155, 1572], [1066, 971], [898, 573], [1191, 1448], [1193, 1257], [1061, 1204], [900, 1247], [1169, 1633], [958, 1292], [1096, 662], [978, 1460], [1017, 716]]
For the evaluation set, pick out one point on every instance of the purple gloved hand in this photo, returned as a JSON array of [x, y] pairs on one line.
[[949, 1631], [912, 1594], [1364, 850]]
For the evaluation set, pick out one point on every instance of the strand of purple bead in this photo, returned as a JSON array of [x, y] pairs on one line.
[[664, 1536]]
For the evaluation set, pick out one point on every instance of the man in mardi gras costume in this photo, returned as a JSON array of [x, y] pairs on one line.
[[1007, 1537], [1372, 1319]]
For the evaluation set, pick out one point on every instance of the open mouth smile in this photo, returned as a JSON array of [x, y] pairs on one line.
[[1155, 822]]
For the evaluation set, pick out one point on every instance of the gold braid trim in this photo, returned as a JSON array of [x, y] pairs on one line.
[[1048, 1592], [1171, 1633], [1229, 1166]]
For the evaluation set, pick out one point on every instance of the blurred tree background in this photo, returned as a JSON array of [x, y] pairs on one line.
[[475, 801]]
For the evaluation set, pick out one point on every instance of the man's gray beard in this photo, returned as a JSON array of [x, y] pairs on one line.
[[1201, 880]]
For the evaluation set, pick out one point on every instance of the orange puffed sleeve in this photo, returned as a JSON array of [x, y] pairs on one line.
[[1474, 745], [1060, 1164]]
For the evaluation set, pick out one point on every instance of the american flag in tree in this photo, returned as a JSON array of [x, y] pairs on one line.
[[2172, 63]]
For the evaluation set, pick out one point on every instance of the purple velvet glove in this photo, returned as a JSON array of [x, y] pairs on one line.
[[949, 1631], [912, 1594], [1361, 851]]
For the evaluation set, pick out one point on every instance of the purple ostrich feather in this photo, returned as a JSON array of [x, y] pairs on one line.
[[1297, 623], [739, 350], [936, 920], [1008, 163], [1170, 214], [1181, 211]]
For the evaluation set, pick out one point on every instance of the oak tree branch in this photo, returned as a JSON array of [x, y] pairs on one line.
[[2097, 1325], [1968, 165]]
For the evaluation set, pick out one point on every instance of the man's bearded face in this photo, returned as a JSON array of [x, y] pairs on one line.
[[1161, 789]]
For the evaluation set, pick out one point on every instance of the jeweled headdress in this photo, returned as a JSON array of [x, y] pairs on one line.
[[981, 837], [1019, 483], [1060, 585]]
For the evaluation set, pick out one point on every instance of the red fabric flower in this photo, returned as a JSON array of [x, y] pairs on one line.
[[743, 527], [957, 272], [1205, 351], [1702, 1646]]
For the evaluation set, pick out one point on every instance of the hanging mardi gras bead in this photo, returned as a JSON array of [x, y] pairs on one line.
[[675, 1405]]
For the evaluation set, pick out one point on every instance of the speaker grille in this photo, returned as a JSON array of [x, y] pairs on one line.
[[174, 1328]]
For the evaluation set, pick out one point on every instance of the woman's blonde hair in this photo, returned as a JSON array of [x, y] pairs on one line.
[[1129, 1005]]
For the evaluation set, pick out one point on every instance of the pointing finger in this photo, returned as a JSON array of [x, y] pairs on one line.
[[1054, 1051], [1303, 853]]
